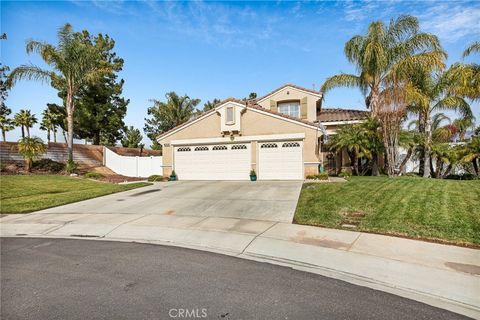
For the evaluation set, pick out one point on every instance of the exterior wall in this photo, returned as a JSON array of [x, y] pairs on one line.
[[289, 93], [253, 124]]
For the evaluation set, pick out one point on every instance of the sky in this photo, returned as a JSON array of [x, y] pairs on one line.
[[221, 49]]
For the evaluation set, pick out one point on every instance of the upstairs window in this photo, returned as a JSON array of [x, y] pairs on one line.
[[291, 108], [229, 115]]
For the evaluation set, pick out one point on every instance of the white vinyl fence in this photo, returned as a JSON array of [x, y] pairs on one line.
[[132, 166]]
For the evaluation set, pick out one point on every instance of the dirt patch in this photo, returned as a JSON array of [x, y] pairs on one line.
[[301, 237], [169, 212], [144, 192], [463, 267]]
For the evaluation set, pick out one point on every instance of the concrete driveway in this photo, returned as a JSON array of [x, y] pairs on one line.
[[262, 200]]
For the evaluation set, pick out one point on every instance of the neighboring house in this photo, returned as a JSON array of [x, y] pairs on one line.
[[277, 135]]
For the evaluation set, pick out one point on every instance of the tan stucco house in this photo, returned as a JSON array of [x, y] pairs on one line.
[[277, 135]]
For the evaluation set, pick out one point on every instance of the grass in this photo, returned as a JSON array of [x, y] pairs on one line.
[[20, 194], [431, 209]]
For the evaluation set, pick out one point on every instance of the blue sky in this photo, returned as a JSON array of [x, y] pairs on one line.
[[221, 49]]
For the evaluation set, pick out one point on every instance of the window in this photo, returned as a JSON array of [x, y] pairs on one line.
[[230, 115], [219, 148], [291, 145], [184, 149], [201, 148], [239, 146], [268, 145], [291, 108]]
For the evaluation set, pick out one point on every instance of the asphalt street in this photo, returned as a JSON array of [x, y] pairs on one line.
[[83, 279]]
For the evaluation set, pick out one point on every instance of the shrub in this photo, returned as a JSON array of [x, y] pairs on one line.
[[345, 174], [31, 149], [155, 178], [322, 176], [93, 175], [48, 165], [71, 166], [253, 173], [173, 174], [311, 177]]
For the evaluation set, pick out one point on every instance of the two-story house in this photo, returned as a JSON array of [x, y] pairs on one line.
[[278, 135]]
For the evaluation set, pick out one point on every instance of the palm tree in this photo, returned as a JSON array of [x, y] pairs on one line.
[[462, 126], [30, 149], [471, 152], [25, 120], [430, 93], [386, 52], [355, 141], [472, 48], [6, 124], [49, 123], [74, 63], [209, 105]]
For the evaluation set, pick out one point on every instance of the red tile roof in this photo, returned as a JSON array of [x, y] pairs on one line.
[[331, 115]]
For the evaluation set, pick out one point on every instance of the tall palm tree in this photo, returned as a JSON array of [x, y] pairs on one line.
[[472, 48], [386, 52], [25, 120], [49, 123], [30, 149], [73, 62], [431, 93]]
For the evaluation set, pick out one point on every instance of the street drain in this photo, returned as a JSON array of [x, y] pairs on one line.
[[144, 192]]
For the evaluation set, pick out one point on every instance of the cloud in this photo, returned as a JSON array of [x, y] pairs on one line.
[[452, 22]]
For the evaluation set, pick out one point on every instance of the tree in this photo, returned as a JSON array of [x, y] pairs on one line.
[[59, 116], [462, 126], [355, 140], [209, 105], [25, 120], [167, 115], [6, 124], [132, 138], [3, 85], [471, 152], [431, 92], [100, 108], [49, 123], [74, 65], [386, 52], [31, 149]]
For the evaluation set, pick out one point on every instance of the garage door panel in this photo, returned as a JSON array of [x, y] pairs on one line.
[[281, 160], [213, 162]]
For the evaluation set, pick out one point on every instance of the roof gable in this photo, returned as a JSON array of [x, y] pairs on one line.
[[292, 87]]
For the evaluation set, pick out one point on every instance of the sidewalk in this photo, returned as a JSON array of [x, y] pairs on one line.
[[440, 275]]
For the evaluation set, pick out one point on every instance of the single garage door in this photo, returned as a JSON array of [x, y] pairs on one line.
[[280, 160], [213, 162]]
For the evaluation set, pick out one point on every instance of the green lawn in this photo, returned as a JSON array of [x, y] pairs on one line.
[[19, 194], [406, 206]]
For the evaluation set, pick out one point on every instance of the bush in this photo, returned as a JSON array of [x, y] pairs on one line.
[[465, 176], [345, 174], [48, 165], [320, 176], [71, 166], [155, 178], [253, 173], [93, 175]]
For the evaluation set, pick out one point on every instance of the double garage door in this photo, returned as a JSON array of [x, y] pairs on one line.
[[276, 161]]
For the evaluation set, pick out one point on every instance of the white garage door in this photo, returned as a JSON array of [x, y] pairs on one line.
[[213, 162], [280, 160]]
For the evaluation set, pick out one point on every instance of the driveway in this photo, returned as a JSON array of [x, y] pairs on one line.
[[75, 279], [262, 200]]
